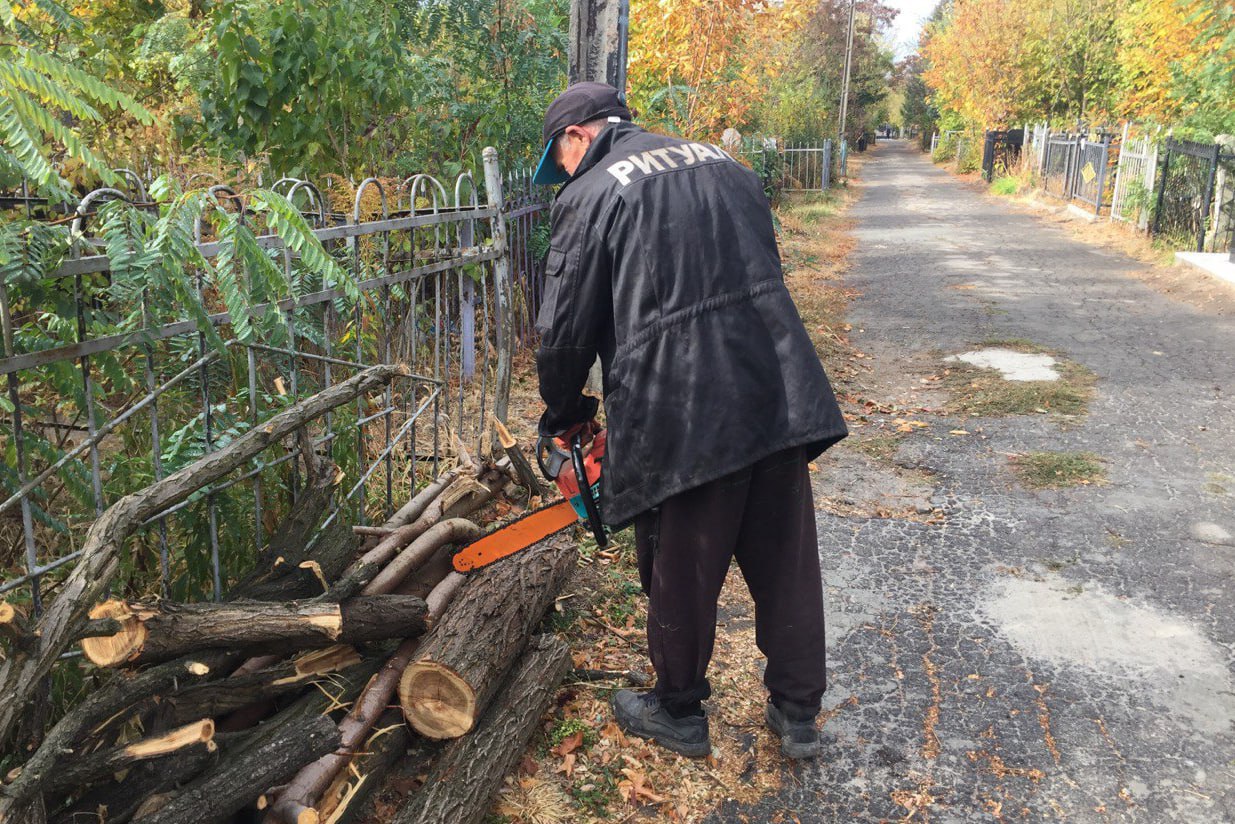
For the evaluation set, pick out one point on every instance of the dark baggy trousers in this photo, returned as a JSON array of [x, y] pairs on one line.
[[764, 516]]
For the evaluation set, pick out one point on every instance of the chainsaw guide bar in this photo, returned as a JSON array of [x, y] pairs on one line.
[[515, 536]]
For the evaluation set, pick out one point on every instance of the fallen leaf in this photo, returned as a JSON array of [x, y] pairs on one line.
[[958, 432], [569, 744], [568, 764], [612, 732], [639, 787]]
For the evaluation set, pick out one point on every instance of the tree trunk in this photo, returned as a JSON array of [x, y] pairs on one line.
[[463, 658], [116, 802], [470, 770], [158, 631], [522, 468], [352, 789], [287, 544], [297, 799], [21, 673], [271, 758], [84, 771]]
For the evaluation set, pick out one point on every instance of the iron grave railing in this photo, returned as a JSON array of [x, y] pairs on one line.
[[450, 277]]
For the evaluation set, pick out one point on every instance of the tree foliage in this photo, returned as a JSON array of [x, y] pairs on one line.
[[43, 99], [1077, 62]]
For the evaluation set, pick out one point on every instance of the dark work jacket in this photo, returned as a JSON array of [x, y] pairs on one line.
[[663, 261]]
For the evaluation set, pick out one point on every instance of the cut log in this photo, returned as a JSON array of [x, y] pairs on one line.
[[22, 673], [454, 531], [414, 508], [469, 771], [523, 469], [158, 631], [381, 751], [305, 790], [82, 772], [115, 802], [98, 711], [462, 497], [216, 699], [299, 574], [462, 659], [287, 544], [15, 629], [273, 756]]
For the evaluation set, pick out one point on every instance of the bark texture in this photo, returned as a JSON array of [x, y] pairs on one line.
[[461, 661], [469, 771], [84, 771], [306, 789], [158, 631], [268, 760]]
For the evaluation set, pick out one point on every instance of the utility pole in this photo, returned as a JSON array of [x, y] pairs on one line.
[[599, 31], [844, 94]]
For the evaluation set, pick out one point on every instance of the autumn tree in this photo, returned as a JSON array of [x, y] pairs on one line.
[[692, 67]]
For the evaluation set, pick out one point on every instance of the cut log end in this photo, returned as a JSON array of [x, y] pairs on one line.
[[189, 734], [323, 661], [292, 812], [436, 701], [112, 650]]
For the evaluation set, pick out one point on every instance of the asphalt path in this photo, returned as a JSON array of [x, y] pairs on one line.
[[1061, 655]]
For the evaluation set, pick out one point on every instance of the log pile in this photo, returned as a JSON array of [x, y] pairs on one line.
[[289, 701]]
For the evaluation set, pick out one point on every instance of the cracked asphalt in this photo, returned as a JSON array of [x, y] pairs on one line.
[[1060, 655]]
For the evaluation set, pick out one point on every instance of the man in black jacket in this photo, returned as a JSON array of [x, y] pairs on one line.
[[663, 261]]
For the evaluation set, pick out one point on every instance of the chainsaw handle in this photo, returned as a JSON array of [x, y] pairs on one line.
[[585, 490], [550, 457]]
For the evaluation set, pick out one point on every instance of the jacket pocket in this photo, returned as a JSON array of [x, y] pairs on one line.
[[555, 265]]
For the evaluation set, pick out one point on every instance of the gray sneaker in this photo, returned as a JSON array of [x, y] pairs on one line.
[[798, 739], [642, 715]]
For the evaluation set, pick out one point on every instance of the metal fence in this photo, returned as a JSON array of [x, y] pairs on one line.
[[1185, 208], [1001, 152], [1134, 179], [1093, 160], [1059, 164], [450, 277], [806, 166]]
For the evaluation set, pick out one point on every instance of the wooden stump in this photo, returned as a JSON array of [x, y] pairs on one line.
[[461, 661], [470, 770]]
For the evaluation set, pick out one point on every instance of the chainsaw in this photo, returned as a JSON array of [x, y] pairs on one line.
[[582, 503]]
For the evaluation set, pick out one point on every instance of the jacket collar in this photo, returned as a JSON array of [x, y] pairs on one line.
[[609, 137]]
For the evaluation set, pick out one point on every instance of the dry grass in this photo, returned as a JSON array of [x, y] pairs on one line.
[[1054, 470], [977, 392]]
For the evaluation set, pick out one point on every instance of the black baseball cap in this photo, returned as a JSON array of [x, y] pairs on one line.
[[580, 103]]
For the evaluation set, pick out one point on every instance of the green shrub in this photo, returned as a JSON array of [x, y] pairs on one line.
[[1006, 185]]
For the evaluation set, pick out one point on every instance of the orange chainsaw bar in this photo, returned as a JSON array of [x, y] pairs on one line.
[[515, 536]]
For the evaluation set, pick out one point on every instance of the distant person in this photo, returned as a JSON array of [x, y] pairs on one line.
[[663, 260]]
